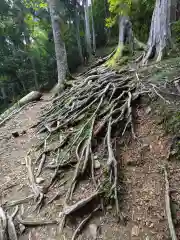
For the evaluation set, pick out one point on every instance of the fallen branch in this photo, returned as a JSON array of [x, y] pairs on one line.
[[17, 107], [168, 207]]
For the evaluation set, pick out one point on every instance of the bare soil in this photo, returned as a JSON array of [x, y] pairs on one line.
[[142, 185]]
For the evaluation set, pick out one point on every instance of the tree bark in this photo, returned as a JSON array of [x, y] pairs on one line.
[[60, 50], [87, 29], [125, 38], [34, 73], [78, 35], [93, 29], [108, 30], [160, 34]]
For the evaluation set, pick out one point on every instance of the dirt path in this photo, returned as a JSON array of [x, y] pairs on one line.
[[13, 175], [142, 198]]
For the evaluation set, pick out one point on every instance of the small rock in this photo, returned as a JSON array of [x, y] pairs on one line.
[[97, 164], [93, 231], [22, 228], [95, 157], [135, 231], [39, 180]]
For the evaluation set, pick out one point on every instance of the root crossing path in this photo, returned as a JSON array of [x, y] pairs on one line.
[[142, 202]]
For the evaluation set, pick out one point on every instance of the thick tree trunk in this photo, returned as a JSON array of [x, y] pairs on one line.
[[78, 35], [125, 38], [60, 50], [87, 28], [160, 34], [93, 30]]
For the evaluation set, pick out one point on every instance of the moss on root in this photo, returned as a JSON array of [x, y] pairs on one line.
[[114, 60]]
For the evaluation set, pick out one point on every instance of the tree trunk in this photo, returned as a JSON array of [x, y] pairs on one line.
[[125, 38], [78, 35], [87, 28], [160, 34], [93, 30], [60, 50], [108, 30], [173, 10], [34, 73]]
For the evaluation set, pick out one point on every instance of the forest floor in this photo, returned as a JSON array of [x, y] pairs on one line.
[[142, 193]]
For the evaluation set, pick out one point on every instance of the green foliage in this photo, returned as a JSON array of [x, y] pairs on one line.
[[139, 11], [27, 55], [141, 14], [170, 118], [176, 31], [118, 8]]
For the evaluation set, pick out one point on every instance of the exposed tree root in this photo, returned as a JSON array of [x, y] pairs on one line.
[[17, 107], [112, 165], [38, 193], [168, 207], [33, 223], [43, 159], [97, 106], [3, 224], [17, 202], [7, 228], [11, 228], [70, 209], [81, 225]]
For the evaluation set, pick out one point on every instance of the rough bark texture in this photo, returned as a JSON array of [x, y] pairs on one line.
[[93, 29], [78, 35], [125, 38], [60, 50], [125, 31], [87, 28], [160, 34]]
